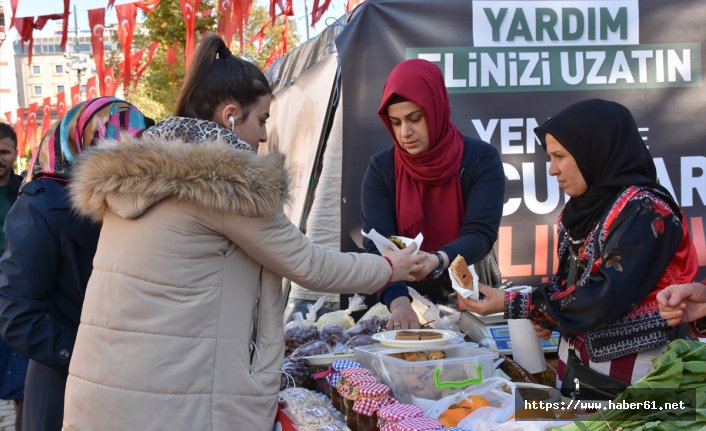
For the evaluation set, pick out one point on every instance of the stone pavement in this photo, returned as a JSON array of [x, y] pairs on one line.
[[7, 416]]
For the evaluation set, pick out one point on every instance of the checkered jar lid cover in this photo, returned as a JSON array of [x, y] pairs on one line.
[[418, 424], [369, 406], [372, 390], [397, 412], [338, 366], [344, 364], [357, 379], [354, 371]]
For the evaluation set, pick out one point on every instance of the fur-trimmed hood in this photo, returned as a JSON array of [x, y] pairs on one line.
[[132, 175]]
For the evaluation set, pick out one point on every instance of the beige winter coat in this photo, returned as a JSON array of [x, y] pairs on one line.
[[188, 271]]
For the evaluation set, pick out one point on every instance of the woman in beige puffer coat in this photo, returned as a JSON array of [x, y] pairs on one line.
[[181, 327]]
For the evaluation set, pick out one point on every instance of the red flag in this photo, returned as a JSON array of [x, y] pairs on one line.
[[260, 35], [242, 16], [150, 56], [13, 8], [46, 115], [188, 10], [285, 7], [19, 129], [75, 95], [60, 104], [126, 29], [65, 26], [171, 56], [96, 21], [279, 50], [26, 26], [226, 20], [111, 84], [147, 6], [281, 47], [31, 130], [318, 11], [91, 88], [352, 4]]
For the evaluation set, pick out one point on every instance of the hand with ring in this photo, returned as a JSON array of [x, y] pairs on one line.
[[402, 315]]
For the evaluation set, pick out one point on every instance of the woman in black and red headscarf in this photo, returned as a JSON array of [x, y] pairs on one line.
[[432, 180], [622, 239]]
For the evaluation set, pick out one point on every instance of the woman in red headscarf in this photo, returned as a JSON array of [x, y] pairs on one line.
[[432, 180]]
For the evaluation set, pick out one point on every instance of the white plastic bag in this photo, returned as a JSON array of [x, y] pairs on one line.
[[383, 243], [499, 392], [429, 313], [343, 318], [378, 310]]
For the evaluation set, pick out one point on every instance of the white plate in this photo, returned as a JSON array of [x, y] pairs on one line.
[[388, 338], [329, 358]]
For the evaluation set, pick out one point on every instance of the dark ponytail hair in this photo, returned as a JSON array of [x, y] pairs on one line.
[[217, 76]]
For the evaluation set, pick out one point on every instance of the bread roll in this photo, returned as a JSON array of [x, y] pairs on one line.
[[460, 272]]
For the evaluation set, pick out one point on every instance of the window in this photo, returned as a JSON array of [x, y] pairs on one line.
[[36, 69], [59, 88], [37, 89], [59, 68]]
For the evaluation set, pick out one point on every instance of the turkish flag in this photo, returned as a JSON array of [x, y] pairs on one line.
[[91, 88], [96, 20], [285, 7], [31, 130], [171, 56], [318, 11], [233, 15], [147, 6], [127, 14], [188, 10], [46, 115], [60, 105], [75, 95], [226, 20], [150, 56], [110, 83], [19, 129]]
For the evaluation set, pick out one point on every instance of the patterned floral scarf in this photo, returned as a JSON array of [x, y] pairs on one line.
[[83, 126]]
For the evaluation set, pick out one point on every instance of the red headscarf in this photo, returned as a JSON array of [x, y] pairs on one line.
[[428, 187]]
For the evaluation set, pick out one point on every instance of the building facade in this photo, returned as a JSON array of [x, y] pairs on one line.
[[8, 81], [53, 70]]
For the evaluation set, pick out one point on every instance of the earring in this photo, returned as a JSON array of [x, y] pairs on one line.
[[232, 123]]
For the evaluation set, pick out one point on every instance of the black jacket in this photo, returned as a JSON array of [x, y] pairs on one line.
[[483, 190], [43, 276]]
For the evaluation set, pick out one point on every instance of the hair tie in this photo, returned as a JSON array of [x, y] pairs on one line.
[[224, 52]]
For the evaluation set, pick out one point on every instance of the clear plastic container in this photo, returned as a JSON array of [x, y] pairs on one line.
[[426, 381]]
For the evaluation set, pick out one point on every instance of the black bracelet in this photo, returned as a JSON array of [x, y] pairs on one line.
[[439, 269]]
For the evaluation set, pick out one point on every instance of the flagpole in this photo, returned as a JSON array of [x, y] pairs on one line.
[[306, 20]]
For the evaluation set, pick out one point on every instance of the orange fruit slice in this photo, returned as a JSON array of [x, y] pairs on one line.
[[454, 415], [474, 402]]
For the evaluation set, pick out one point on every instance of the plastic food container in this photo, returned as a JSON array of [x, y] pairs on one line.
[[424, 382]]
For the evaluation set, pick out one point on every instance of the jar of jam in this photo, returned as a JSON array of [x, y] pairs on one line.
[[348, 388], [389, 415], [371, 396], [332, 379]]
